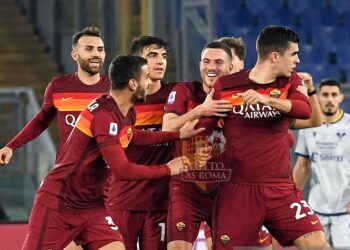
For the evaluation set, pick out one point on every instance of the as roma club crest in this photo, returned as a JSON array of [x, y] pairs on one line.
[[275, 93]]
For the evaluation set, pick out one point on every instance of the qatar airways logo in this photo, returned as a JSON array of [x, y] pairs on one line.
[[258, 111]]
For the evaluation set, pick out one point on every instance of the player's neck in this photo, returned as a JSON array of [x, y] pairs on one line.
[[333, 118], [122, 98], [154, 87], [87, 78], [262, 73]]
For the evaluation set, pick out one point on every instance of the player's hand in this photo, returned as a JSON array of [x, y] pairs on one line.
[[188, 130], [252, 97], [5, 155], [307, 78], [203, 153], [179, 165], [302, 89], [348, 207], [212, 107]]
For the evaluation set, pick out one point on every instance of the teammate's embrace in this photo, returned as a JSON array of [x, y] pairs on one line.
[[69, 203], [261, 190]]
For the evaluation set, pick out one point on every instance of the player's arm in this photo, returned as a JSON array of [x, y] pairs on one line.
[[39, 123], [316, 118], [96, 122], [172, 121], [144, 137], [116, 159], [297, 106], [301, 171]]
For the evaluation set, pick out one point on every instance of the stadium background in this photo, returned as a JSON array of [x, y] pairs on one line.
[[35, 45]]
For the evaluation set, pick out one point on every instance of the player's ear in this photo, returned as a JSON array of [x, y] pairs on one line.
[[133, 84], [74, 55], [274, 56]]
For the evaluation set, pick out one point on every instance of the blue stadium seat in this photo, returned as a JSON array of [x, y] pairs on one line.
[[256, 7], [298, 6], [340, 6], [322, 71], [227, 6], [343, 54]]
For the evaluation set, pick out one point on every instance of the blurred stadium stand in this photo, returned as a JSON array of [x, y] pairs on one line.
[[323, 27]]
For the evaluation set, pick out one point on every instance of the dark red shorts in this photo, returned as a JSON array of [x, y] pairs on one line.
[[148, 227], [241, 210], [188, 207], [50, 229]]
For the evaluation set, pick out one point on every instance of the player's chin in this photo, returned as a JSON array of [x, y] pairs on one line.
[[211, 81]]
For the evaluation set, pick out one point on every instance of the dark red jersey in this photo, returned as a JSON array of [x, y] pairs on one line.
[[96, 146], [147, 195], [65, 96], [258, 134], [183, 98]]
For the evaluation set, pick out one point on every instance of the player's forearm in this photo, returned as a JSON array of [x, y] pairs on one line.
[[301, 172], [316, 118], [172, 122], [33, 129], [283, 105], [125, 170], [145, 138]]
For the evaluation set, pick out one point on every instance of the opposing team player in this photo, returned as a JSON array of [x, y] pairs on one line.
[[324, 153]]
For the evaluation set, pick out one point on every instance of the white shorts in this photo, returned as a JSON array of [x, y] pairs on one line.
[[337, 230]]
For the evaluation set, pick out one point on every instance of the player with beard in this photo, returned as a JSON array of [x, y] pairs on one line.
[[325, 153], [191, 200], [140, 207], [261, 190], [69, 204], [67, 95]]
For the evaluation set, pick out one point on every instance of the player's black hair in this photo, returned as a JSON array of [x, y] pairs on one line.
[[124, 68], [142, 42], [275, 39]]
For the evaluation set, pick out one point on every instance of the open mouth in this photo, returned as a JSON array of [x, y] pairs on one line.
[[211, 74]]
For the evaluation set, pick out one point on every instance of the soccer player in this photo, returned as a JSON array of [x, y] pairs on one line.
[[238, 49], [69, 204], [66, 96], [140, 207], [191, 197], [325, 153], [261, 190]]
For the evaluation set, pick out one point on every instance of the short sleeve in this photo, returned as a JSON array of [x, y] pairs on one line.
[[301, 148], [105, 129], [178, 100]]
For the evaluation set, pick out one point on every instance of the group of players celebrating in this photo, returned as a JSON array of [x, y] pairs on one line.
[[147, 162]]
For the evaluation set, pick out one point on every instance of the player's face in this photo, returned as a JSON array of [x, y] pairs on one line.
[[90, 54], [214, 64], [156, 61], [237, 64], [143, 84], [330, 99], [289, 60]]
